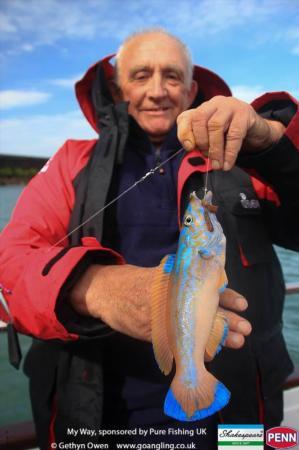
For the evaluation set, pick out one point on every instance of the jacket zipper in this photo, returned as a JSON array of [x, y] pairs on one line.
[[158, 160]]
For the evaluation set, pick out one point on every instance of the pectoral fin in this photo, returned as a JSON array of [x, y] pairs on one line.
[[217, 336], [160, 292]]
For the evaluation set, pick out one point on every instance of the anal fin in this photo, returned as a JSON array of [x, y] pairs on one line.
[[217, 336]]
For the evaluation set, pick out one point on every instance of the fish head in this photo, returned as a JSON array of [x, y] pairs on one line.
[[200, 227]]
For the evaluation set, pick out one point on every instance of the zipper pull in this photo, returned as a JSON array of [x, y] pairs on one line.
[[158, 160]]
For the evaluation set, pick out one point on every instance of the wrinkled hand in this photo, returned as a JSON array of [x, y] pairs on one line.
[[231, 303], [121, 297], [221, 126]]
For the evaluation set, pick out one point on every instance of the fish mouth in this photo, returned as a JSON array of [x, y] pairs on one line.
[[206, 199], [194, 195]]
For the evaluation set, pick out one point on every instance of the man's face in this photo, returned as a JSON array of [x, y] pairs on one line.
[[153, 79]]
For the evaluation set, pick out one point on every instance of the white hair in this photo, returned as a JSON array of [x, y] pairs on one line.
[[158, 30]]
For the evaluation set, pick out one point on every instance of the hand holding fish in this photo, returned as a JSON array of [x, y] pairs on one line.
[[121, 295], [222, 125]]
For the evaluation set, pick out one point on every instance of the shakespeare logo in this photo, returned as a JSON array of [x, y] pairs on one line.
[[240, 437]]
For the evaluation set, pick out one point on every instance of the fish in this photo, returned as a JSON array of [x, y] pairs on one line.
[[186, 326]]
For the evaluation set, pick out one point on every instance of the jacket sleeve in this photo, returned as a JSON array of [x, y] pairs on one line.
[[35, 272], [275, 170]]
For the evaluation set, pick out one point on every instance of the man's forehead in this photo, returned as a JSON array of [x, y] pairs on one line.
[[153, 38], [157, 47]]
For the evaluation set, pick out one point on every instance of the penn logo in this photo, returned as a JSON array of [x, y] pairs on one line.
[[282, 437]]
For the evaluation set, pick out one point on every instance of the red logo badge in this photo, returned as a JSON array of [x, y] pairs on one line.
[[282, 437]]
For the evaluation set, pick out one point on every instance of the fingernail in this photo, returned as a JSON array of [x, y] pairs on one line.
[[243, 327], [241, 303], [188, 145], [215, 164], [226, 166]]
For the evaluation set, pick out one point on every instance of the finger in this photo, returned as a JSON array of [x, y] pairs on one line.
[[200, 118], [184, 131], [217, 126], [234, 340], [233, 300], [236, 323], [234, 140]]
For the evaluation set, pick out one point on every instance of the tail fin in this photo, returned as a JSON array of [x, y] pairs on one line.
[[190, 404]]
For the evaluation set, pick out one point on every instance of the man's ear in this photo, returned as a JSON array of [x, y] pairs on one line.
[[115, 91], [193, 92]]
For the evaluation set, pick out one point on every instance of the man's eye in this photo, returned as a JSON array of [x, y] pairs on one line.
[[141, 76], [172, 76], [188, 220]]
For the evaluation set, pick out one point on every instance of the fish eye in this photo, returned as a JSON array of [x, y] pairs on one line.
[[188, 220]]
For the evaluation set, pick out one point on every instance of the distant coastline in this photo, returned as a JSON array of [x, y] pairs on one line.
[[16, 175], [13, 181], [19, 169]]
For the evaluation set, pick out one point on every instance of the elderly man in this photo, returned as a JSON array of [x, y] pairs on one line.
[[73, 294]]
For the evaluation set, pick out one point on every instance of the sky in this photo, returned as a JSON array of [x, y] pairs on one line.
[[46, 45]]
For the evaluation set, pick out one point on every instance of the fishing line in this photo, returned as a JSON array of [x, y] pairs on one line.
[[206, 176], [148, 174]]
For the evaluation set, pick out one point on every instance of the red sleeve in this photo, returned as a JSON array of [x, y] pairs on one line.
[[32, 268], [277, 167], [275, 170], [283, 107]]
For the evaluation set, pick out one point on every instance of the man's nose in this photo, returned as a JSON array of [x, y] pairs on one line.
[[157, 88]]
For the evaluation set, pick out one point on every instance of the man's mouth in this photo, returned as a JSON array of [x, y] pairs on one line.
[[156, 110]]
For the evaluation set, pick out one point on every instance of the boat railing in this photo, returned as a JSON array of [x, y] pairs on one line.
[[21, 436]]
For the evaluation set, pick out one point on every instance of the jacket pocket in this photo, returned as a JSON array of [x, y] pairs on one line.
[[251, 234]]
